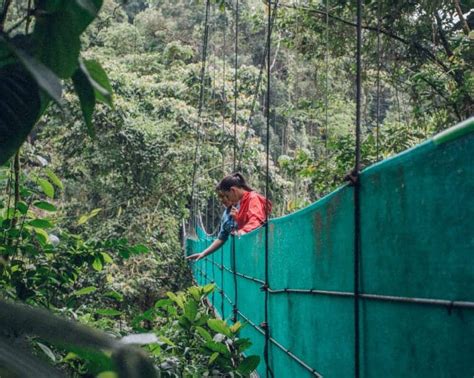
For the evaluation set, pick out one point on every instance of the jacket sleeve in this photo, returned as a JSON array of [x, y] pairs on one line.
[[255, 215]]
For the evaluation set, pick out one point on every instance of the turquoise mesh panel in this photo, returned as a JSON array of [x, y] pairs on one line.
[[417, 241]]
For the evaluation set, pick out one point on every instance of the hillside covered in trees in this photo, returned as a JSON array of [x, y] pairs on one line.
[[113, 112]]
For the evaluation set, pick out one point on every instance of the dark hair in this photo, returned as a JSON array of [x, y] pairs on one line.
[[234, 179]]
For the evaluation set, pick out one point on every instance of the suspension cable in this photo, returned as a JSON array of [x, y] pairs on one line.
[[357, 206], [326, 97], [256, 93], [200, 106], [236, 56], [377, 130], [224, 35], [236, 89], [267, 190]]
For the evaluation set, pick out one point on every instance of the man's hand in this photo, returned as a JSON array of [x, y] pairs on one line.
[[195, 257], [233, 212]]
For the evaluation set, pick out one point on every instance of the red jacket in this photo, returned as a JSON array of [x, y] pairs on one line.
[[251, 213]]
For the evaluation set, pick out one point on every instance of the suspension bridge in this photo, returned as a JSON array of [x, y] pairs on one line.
[[376, 279]]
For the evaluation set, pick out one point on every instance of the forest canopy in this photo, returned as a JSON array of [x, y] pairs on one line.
[[109, 120]]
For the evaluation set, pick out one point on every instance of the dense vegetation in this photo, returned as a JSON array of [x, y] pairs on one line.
[[93, 202]]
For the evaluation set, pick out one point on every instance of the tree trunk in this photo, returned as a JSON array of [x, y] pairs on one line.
[[465, 25]]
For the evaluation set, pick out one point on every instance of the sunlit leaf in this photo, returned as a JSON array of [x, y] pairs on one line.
[[85, 290], [219, 326], [167, 341], [190, 309], [235, 327], [47, 351], [42, 235], [97, 264], [86, 217], [107, 258], [108, 312], [213, 357], [217, 347], [107, 374], [46, 187], [163, 303], [204, 334], [98, 80], [115, 295], [194, 291], [54, 179]]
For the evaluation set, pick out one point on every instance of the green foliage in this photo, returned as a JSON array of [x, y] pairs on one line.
[[20, 104], [32, 64], [86, 343], [94, 234], [211, 345]]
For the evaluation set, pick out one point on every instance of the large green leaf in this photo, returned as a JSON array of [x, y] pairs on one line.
[[54, 179], [248, 365], [43, 76], [191, 309], [85, 290], [86, 95], [57, 32], [98, 79], [97, 264], [91, 84], [19, 108], [43, 205], [204, 334], [46, 187], [40, 223], [219, 326], [108, 312], [217, 347]]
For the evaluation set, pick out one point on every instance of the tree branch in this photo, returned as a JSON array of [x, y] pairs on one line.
[[3, 15], [463, 21], [442, 36], [385, 32]]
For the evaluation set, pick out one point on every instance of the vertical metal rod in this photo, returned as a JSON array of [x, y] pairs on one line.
[[224, 37], [267, 187], [357, 222], [234, 275], [201, 98], [224, 52], [235, 82], [326, 62], [234, 262], [222, 284], [377, 135]]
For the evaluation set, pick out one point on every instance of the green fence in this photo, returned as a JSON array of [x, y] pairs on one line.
[[416, 272]]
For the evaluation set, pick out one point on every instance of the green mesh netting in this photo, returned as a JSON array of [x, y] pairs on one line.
[[417, 211]]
